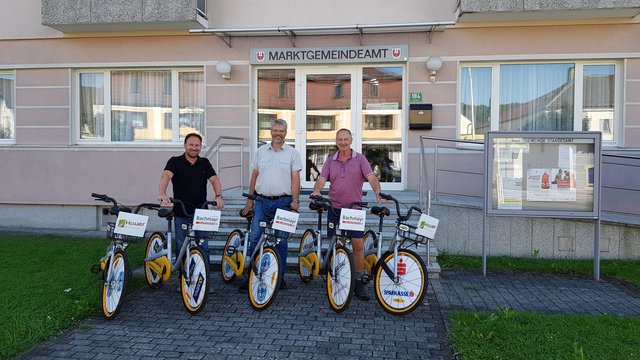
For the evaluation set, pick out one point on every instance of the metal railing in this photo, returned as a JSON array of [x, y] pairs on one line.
[[426, 192], [214, 152]]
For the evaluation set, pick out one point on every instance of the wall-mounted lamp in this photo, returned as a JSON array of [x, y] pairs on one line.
[[434, 63], [224, 69]]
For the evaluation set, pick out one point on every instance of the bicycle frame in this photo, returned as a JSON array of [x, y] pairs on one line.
[[177, 263], [332, 242], [397, 240], [378, 249], [190, 240], [115, 244], [268, 238], [244, 245], [318, 248]]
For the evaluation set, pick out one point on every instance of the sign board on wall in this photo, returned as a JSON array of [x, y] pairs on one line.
[[356, 54], [547, 174]]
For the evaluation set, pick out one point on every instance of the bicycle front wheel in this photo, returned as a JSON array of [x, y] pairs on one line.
[[263, 287], [195, 288], [115, 283], [403, 296], [307, 242], [153, 273], [232, 258], [340, 279]]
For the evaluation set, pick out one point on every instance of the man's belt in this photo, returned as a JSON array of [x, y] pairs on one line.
[[273, 197]]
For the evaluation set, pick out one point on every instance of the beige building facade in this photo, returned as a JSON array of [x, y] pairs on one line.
[[96, 96]]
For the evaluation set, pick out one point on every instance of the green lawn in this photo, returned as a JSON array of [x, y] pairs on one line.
[[46, 286], [627, 270], [506, 334], [529, 336]]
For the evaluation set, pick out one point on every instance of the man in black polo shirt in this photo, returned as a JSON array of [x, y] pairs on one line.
[[189, 174]]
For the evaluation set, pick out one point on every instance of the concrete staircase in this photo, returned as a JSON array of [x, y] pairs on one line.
[[234, 201]]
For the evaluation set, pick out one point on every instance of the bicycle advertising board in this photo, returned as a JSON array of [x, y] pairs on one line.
[[131, 224], [206, 220], [352, 219], [427, 226], [285, 221]]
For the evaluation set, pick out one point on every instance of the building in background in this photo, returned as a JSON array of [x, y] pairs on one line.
[[96, 95]]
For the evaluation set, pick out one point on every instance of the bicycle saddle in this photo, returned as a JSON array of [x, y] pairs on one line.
[[165, 213], [248, 215], [380, 211], [317, 206]]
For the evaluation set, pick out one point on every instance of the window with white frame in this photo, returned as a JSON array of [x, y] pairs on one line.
[[7, 106], [555, 96], [139, 105]]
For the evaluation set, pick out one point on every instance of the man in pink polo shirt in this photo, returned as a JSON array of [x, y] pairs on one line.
[[346, 171]]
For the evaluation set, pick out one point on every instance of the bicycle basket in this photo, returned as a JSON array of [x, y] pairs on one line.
[[113, 236], [407, 232]]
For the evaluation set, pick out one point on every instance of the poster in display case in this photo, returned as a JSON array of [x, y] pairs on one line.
[[547, 174]]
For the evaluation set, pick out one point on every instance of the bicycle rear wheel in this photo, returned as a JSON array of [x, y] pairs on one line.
[[153, 273], [340, 281], [195, 288], [234, 240], [307, 241], [263, 288], [115, 283], [404, 296]]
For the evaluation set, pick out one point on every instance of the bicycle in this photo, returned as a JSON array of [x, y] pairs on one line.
[[114, 265], [191, 261], [265, 274], [339, 273], [373, 247], [235, 250], [400, 279]]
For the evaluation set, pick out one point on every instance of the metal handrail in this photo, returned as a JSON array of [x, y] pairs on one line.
[[214, 150], [425, 191]]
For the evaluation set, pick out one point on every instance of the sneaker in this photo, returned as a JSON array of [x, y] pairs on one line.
[[283, 285], [360, 291], [244, 287]]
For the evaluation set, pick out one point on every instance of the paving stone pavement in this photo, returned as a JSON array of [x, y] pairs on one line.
[[300, 325], [469, 290]]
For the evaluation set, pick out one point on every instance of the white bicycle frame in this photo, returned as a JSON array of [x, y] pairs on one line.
[[116, 243], [318, 250], [168, 252], [268, 233]]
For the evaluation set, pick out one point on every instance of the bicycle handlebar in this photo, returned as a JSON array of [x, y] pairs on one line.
[[117, 207], [400, 216], [204, 205], [323, 200]]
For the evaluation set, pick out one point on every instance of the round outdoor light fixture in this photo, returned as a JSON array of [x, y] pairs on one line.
[[224, 69], [434, 63]]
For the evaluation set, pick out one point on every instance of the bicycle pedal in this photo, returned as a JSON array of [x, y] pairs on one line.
[[365, 279], [95, 268]]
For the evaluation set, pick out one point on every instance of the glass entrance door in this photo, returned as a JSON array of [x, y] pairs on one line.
[[328, 103], [317, 102], [365, 100]]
